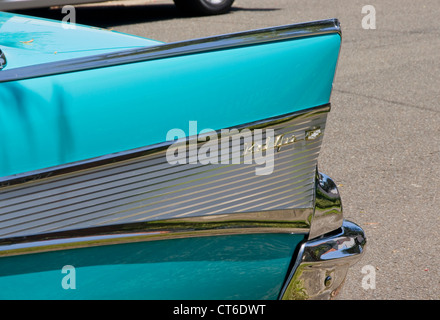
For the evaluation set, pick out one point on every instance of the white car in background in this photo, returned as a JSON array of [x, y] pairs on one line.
[[200, 7]]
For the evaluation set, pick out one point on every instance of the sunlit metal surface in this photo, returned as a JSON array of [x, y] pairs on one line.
[[322, 264], [277, 221], [328, 207]]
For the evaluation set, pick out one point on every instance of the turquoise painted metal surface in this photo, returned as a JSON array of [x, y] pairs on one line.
[[55, 120], [29, 40], [221, 267], [65, 118]]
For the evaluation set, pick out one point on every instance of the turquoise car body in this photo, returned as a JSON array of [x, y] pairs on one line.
[[102, 96], [59, 119]]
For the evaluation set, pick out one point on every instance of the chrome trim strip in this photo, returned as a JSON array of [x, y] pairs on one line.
[[276, 221], [321, 265], [327, 215], [220, 42], [52, 172]]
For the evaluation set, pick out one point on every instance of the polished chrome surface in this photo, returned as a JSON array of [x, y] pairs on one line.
[[2, 60], [227, 41], [322, 264], [140, 185], [276, 221], [328, 207]]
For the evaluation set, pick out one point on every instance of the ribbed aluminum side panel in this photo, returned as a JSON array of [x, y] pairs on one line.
[[149, 188]]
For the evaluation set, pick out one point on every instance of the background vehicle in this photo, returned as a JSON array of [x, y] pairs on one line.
[[202, 7]]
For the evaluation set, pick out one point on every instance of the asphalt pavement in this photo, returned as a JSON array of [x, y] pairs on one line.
[[382, 142]]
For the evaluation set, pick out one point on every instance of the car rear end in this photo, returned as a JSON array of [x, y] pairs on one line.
[[174, 171]]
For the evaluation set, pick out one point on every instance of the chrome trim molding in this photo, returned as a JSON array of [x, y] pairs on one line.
[[277, 221], [140, 185], [33, 176], [321, 266], [327, 215], [221, 42]]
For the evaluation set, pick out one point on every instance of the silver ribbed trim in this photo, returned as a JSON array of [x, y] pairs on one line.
[[146, 187]]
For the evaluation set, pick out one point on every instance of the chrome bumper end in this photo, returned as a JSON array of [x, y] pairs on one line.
[[322, 264]]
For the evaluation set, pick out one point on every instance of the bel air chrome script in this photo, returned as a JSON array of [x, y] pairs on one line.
[[258, 146], [223, 148]]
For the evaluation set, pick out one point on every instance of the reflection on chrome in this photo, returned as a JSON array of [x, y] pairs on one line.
[[140, 185], [321, 267], [275, 221], [328, 207], [325, 217]]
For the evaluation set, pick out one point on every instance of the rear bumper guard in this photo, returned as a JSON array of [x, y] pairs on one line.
[[322, 264]]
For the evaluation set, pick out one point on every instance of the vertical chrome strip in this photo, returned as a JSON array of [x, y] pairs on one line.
[[3, 61]]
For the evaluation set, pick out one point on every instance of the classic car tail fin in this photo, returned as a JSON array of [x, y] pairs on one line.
[[211, 144], [273, 84]]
